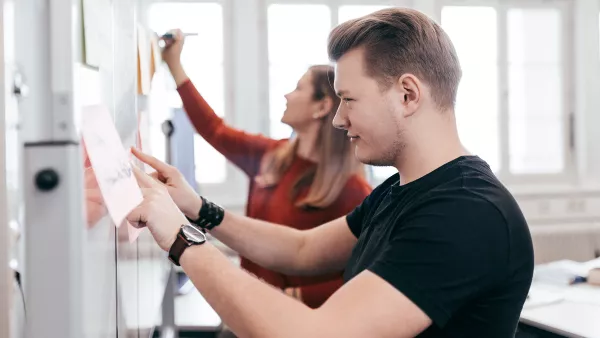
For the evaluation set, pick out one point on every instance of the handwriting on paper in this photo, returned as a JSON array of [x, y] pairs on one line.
[[111, 165]]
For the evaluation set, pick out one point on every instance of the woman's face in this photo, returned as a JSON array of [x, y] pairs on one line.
[[300, 106]]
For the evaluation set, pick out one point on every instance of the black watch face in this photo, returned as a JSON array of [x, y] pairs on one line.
[[193, 234]]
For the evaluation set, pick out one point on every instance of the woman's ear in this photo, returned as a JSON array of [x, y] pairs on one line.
[[324, 107]]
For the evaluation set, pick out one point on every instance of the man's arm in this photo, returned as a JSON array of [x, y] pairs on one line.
[[320, 250], [317, 251], [254, 309]]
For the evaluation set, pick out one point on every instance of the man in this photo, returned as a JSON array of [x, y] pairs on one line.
[[440, 250]]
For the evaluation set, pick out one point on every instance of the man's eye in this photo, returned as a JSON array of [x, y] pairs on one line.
[[347, 99]]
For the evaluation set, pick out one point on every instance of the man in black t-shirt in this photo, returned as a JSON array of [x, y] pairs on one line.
[[440, 250], [454, 242]]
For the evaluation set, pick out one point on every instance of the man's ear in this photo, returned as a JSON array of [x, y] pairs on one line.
[[410, 88]]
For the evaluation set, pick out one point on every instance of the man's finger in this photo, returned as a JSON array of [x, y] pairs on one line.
[[152, 161], [137, 217], [144, 180], [158, 177], [138, 225]]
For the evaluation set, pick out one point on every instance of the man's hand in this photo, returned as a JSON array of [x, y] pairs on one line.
[[181, 192], [157, 211]]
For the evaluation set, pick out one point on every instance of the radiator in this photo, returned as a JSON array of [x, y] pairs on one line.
[[566, 241]]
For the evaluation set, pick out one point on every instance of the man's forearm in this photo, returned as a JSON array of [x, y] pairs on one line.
[[272, 246], [250, 307]]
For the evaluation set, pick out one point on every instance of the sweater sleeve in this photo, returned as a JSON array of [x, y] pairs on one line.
[[353, 194], [316, 290], [243, 149], [314, 295], [356, 189]]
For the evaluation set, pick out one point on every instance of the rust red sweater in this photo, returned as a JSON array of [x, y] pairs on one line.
[[272, 204]]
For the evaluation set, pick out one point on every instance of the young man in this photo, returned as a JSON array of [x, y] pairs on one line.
[[440, 250]]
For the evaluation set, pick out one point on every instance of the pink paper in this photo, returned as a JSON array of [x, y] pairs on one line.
[[110, 161]]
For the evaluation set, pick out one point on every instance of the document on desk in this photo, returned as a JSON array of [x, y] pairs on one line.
[[111, 165]]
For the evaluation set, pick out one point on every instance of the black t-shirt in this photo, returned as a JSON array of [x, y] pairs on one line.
[[454, 242]]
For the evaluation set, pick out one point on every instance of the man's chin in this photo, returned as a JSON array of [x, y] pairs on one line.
[[371, 159], [363, 156]]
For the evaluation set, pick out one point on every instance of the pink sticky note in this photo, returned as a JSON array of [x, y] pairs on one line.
[[110, 161]]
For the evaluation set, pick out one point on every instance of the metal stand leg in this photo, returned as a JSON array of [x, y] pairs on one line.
[[169, 330]]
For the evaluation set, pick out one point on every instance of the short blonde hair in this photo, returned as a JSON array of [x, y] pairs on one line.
[[398, 41]]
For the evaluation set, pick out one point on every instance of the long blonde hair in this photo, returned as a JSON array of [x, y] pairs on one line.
[[336, 159]]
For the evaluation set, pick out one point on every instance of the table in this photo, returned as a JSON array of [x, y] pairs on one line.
[[572, 311]]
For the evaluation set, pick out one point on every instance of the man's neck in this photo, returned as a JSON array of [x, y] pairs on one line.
[[428, 153]]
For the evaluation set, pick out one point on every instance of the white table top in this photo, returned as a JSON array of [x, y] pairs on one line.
[[192, 312], [572, 311]]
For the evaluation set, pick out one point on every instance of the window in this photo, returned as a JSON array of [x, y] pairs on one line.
[[477, 100], [510, 109], [293, 46], [206, 70], [535, 101]]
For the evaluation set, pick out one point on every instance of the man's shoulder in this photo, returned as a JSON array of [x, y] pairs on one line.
[[477, 215], [388, 183], [383, 189], [461, 204], [472, 184]]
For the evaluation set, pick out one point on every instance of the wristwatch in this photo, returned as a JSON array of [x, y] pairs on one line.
[[188, 235]]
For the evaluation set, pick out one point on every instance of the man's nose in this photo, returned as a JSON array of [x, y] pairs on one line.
[[340, 120]]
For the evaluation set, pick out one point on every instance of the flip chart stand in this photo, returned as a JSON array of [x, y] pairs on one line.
[[53, 172], [169, 329]]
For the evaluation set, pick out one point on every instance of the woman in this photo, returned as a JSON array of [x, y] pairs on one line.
[[301, 183]]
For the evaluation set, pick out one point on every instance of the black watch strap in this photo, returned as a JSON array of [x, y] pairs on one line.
[[187, 236], [209, 216], [178, 247]]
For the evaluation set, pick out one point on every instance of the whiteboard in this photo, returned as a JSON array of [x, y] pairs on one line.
[[133, 276]]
